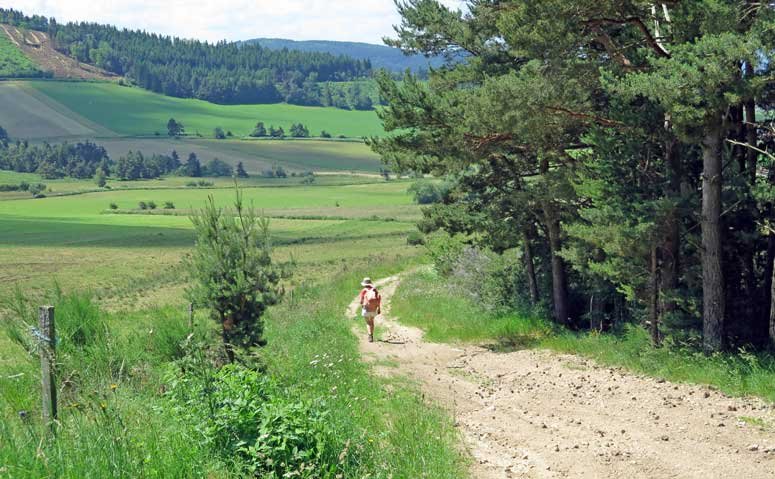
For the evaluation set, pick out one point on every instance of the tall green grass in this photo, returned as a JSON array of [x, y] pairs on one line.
[[425, 300], [117, 419], [113, 422]]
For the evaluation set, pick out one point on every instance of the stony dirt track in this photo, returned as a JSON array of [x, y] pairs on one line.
[[537, 414]]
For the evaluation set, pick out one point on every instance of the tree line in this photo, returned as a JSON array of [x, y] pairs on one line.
[[79, 160], [85, 160], [624, 148], [223, 72]]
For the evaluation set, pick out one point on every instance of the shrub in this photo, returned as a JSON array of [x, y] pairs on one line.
[[274, 435], [217, 168], [444, 250], [259, 131], [151, 205], [113, 206], [426, 192], [275, 172], [415, 238], [100, 178], [169, 205], [325, 134], [219, 134], [142, 205], [36, 189]]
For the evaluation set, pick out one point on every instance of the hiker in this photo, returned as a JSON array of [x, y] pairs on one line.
[[371, 305]]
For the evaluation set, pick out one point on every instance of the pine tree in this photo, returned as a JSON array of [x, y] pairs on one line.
[[233, 274], [241, 173]]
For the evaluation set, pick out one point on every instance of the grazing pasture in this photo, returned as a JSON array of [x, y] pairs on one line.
[[75, 240], [134, 112], [296, 155]]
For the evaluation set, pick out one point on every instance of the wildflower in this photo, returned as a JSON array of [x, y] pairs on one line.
[[103, 405], [113, 387]]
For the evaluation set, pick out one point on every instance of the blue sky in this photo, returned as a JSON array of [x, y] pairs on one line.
[[350, 20]]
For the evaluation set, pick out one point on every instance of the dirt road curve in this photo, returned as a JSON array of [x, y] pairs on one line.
[[537, 414]]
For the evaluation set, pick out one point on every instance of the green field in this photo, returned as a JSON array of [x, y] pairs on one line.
[[29, 114], [74, 239], [136, 112], [296, 155], [13, 63]]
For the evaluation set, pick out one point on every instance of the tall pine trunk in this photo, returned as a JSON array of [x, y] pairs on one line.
[[554, 232], [771, 334], [712, 276], [671, 245], [751, 135], [654, 297], [559, 278], [530, 268], [769, 270]]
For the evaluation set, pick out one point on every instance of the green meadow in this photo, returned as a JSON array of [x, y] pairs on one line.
[[135, 112], [13, 63], [79, 242]]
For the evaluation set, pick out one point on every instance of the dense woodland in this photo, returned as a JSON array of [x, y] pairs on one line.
[[226, 73], [380, 56], [620, 147], [88, 160], [80, 160]]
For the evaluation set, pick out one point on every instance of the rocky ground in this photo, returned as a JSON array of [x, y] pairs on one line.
[[538, 414]]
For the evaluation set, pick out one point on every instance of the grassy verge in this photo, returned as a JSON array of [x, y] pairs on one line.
[[117, 421], [311, 346], [424, 300], [113, 419]]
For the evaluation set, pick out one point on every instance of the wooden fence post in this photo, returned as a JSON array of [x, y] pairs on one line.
[[47, 363]]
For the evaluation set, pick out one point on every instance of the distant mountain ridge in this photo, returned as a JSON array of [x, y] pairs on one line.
[[381, 56]]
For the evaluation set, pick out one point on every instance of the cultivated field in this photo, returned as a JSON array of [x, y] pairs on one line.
[[136, 112], [28, 114], [258, 155], [75, 240]]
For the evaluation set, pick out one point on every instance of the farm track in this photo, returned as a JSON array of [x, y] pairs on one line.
[[537, 414]]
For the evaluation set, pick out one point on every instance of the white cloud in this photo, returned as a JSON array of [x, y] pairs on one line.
[[350, 20]]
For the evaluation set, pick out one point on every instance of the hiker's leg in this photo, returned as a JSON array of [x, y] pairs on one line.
[[370, 325]]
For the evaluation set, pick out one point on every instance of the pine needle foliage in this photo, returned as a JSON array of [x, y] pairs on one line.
[[232, 272]]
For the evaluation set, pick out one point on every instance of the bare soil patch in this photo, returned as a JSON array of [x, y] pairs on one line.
[[37, 46], [537, 414]]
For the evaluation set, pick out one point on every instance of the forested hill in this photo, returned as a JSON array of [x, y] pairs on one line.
[[220, 73], [380, 56]]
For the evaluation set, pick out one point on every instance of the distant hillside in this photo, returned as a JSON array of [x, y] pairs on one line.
[[223, 73], [380, 56]]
